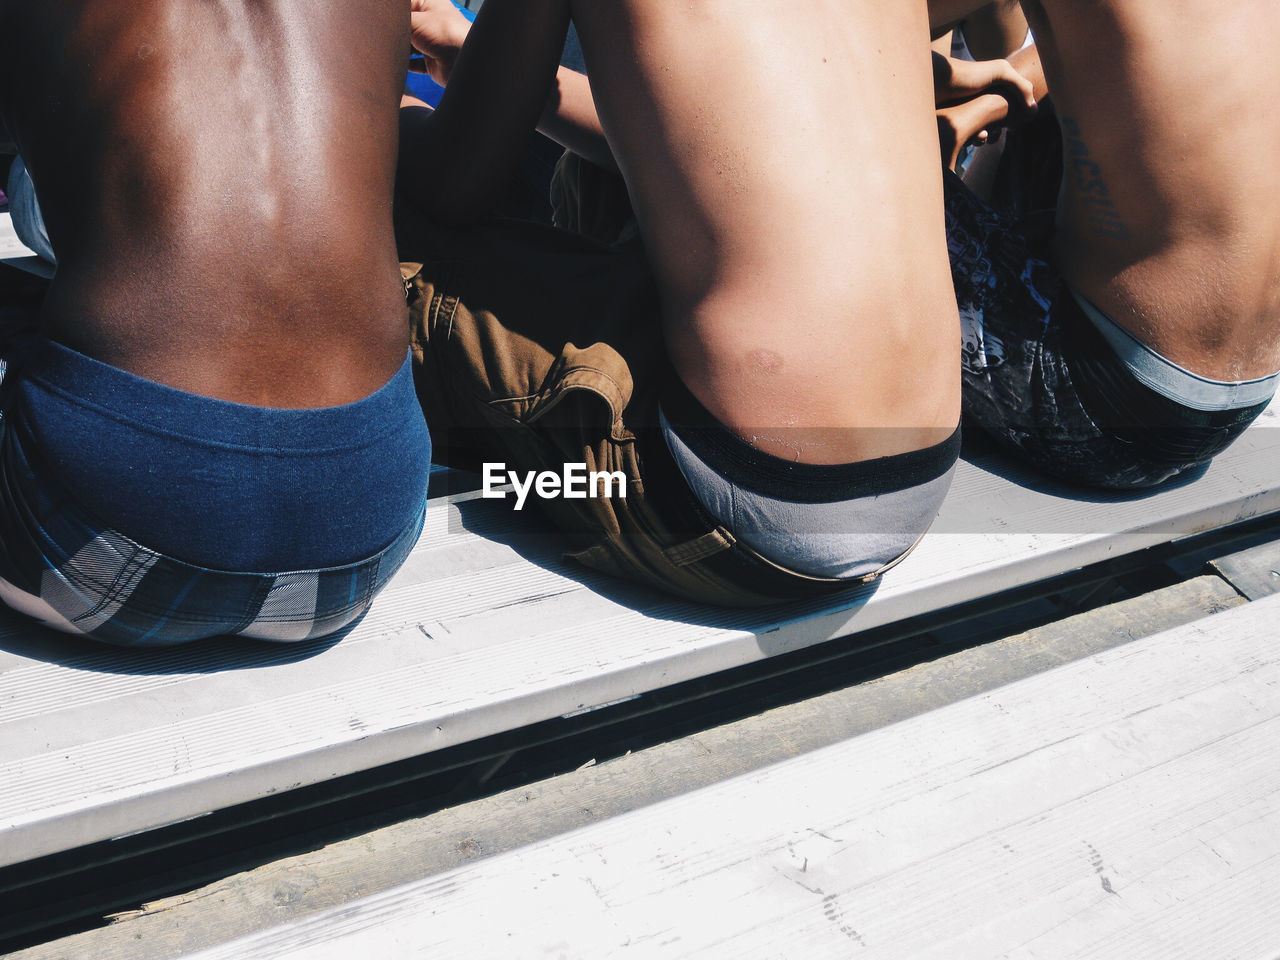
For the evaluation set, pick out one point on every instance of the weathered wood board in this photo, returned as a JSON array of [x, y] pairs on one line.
[[1126, 805]]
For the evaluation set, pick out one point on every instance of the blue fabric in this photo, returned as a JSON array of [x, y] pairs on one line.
[[224, 485], [424, 88], [28, 221], [114, 590], [80, 573]]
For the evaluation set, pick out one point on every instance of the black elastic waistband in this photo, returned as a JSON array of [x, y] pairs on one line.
[[1162, 429], [741, 463]]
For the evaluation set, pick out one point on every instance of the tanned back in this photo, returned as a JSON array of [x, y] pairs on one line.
[[216, 176]]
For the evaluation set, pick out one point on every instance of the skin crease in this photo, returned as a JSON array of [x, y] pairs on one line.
[[1168, 214], [803, 268], [217, 179]]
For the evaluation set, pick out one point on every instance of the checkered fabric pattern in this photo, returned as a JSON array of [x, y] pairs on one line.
[[121, 592]]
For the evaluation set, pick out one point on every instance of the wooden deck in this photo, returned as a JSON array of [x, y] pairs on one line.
[[1126, 805]]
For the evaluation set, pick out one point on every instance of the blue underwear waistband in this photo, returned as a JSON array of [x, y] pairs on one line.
[[68, 570], [223, 485]]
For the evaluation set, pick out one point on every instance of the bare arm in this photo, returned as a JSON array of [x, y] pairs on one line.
[[973, 99], [955, 81], [569, 117], [571, 120], [1027, 62], [971, 122], [461, 155]]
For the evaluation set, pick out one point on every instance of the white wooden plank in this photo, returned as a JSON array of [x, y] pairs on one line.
[[15, 253], [484, 630], [1123, 806]]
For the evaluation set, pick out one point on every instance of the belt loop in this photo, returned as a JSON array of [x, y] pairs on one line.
[[700, 548]]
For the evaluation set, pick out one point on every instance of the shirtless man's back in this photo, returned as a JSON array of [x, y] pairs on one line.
[[216, 179], [1169, 218], [804, 287], [799, 368], [1166, 236]]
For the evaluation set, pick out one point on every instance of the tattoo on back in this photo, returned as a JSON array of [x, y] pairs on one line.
[[1090, 190]]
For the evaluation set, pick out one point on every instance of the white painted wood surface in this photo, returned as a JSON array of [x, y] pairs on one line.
[[1124, 806], [15, 253], [473, 638]]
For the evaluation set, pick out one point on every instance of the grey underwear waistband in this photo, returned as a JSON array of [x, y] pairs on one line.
[[836, 539], [1172, 381]]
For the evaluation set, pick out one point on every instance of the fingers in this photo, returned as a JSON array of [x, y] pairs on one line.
[[970, 122], [435, 25], [958, 80], [1004, 74]]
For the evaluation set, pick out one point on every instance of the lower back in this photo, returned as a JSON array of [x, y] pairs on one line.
[[1170, 183], [217, 180], [793, 216]]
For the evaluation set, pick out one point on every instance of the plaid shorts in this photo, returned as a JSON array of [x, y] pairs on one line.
[[80, 575]]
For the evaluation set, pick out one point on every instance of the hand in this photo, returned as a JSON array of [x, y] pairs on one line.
[[970, 122], [437, 32], [955, 81]]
